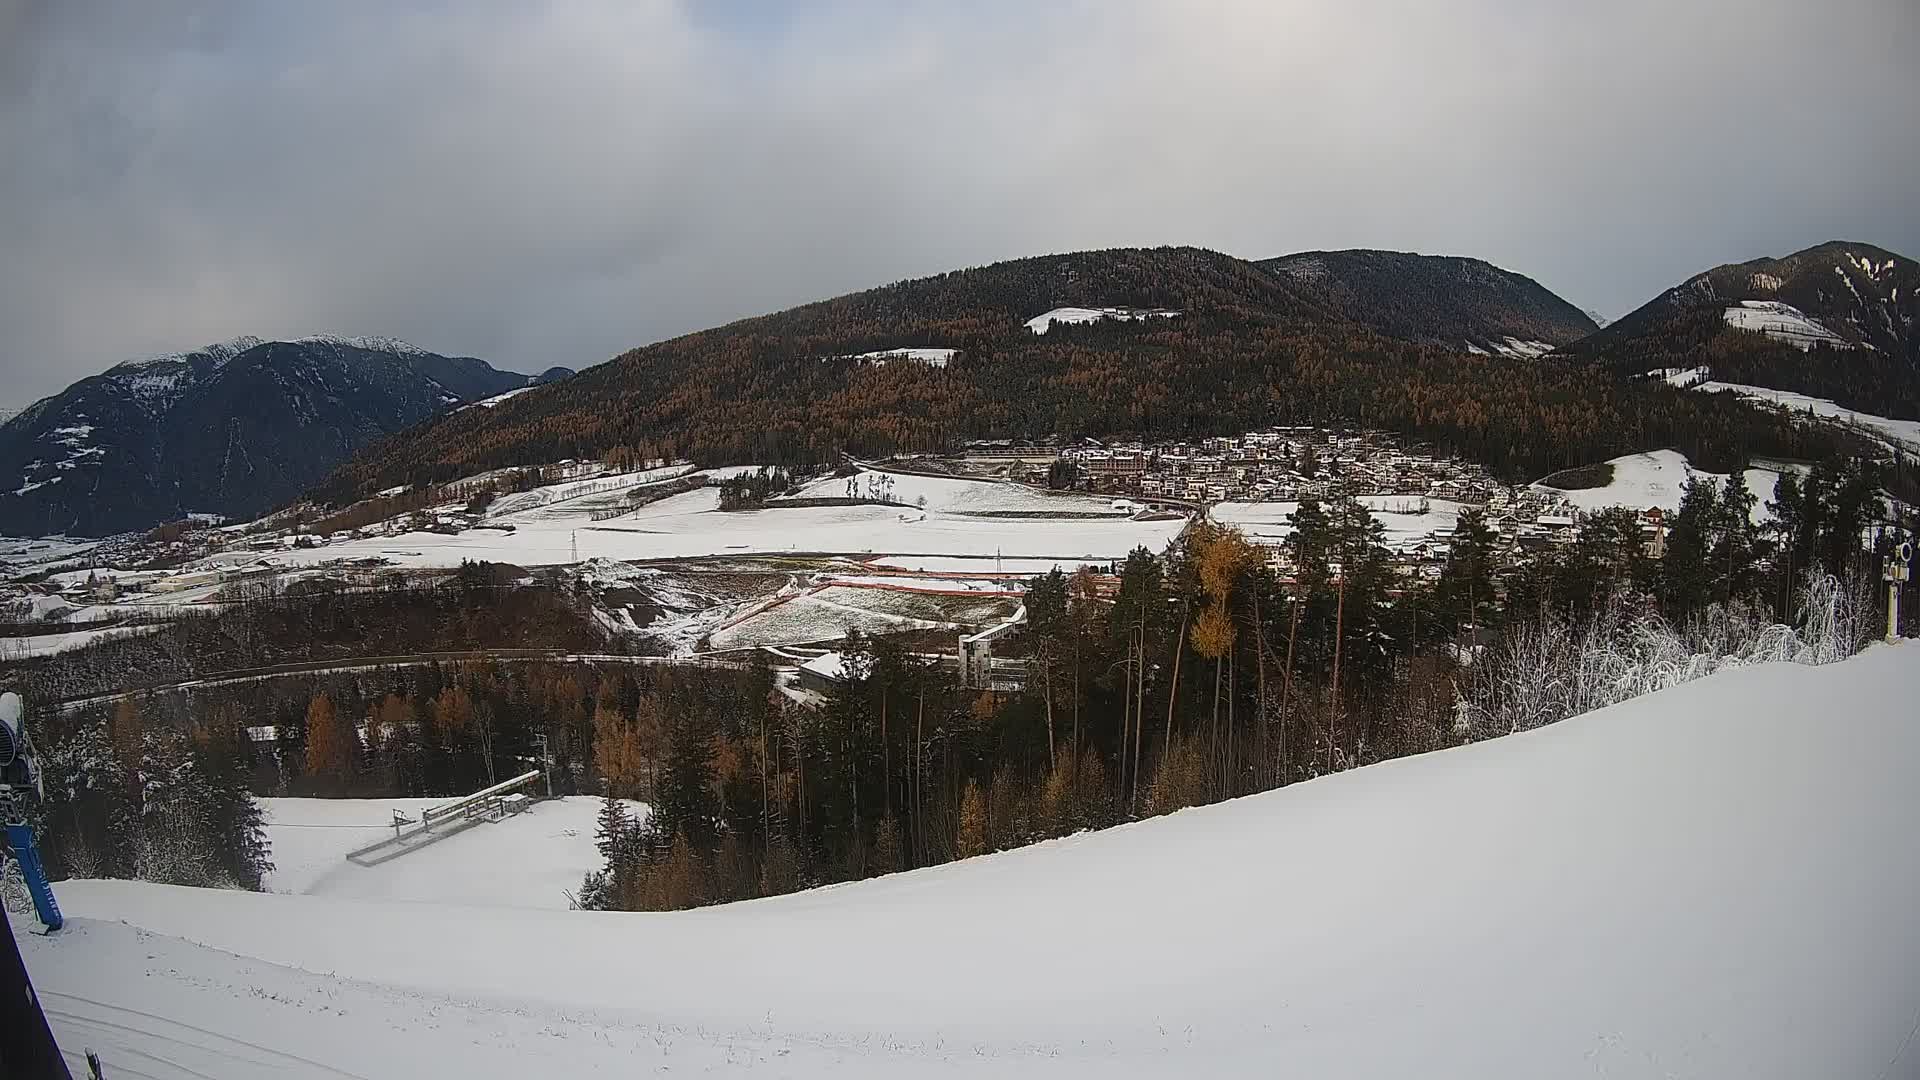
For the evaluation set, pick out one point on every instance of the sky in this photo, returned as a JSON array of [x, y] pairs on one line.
[[540, 185]]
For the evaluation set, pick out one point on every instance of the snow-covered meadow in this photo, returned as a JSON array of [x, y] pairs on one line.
[[1658, 479], [1900, 434], [960, 518]]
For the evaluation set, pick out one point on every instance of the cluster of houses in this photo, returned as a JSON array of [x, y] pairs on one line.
[[1294, 464]]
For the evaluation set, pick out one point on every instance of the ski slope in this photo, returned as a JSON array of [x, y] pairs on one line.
[[1717, 880]]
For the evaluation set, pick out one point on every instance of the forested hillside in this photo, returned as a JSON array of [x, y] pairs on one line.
[[1247, 349], [1434, 299], [231, 429], [1839, 321]]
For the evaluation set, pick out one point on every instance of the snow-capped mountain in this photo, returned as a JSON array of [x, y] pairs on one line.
[[1842, 294], [1839, 321], [233, 428], [1468, 304]]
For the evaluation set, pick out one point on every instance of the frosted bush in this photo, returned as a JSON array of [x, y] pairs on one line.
[[1550, 669]]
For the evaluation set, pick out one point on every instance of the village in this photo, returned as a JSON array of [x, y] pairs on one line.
[[936, 547]]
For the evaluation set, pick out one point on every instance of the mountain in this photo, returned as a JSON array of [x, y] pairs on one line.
[[1161, 343], [1840, 320], [230, 429], [1435, 299]]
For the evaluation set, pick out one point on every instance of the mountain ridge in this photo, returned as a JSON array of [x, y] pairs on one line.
[[1838, 320], [1169, 342], [1446, 300], [232, 428]]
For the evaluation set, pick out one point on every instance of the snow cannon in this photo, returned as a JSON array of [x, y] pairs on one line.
[[20, 785], [19, 772]]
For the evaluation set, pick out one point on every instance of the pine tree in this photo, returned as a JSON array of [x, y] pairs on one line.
[[614, 827], [1466, 581], [1686, 573]]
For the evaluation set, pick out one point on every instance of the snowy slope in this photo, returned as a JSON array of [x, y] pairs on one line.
[[1040, 324], [1895, 432], [1657, 479], [927, 356], [1717, 880], [531, 860], [1783, 322]]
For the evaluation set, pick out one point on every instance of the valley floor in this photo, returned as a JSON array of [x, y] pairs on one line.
[[1717, 880]]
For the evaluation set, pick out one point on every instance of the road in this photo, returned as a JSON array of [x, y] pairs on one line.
[[369, 663]]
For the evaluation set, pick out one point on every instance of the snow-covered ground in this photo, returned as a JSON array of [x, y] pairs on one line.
[[978, 564], [20, 555], [1406, 524], [1657, 478], [26, 648], [1683, 378], [929, 357], [1040, 324], [1717, 880], [1517, 349], [1897, 432], [960, 496], [1783, 322], [511, 507], [548, 529], [532, 860], [490, 402]]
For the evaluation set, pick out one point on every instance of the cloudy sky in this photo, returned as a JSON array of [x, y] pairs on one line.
[[543, 186]]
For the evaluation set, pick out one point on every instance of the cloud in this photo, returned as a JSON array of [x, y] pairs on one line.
[[553, 185]]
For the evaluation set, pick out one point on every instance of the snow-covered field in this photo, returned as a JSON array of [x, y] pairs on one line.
[[1717, 880], [929, 357], [1656, 478], [1900, 433], [1406, 524], [1783, 322], [1513, 348], [25, 648], [690, 524], [531, 860], [958, 496], [1040, 324], [19, 555]]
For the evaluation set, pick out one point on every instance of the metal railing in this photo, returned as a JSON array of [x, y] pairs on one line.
[[437, 822]]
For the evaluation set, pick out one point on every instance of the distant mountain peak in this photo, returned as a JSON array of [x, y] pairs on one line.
[[369, 343], [232, 428], [220, 351]]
